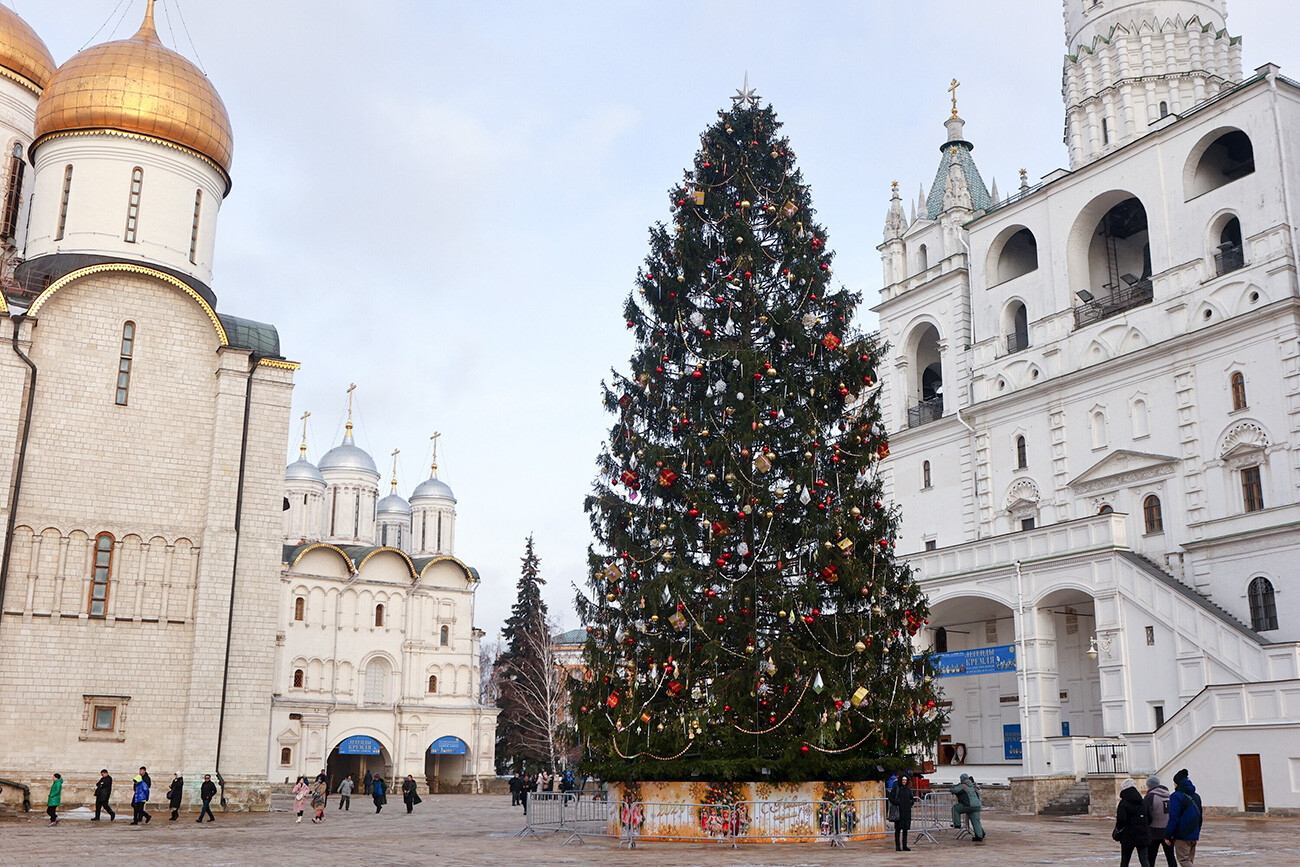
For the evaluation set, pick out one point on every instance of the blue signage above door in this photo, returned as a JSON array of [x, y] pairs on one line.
[[360, 745], [981, 660], [447, 745]]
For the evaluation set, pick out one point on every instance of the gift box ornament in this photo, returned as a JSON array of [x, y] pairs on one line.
[[666, 478], [830, 341], [859, 697], [762, 463], [789, 209], [629, 478], [846, 545], [612, 572], [612, 701], [697, 195], [678, 620]]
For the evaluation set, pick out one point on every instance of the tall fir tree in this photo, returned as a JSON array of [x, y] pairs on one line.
[[747, 618], [525, 675]]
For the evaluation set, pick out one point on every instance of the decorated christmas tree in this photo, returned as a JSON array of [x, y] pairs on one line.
[[747, 618]]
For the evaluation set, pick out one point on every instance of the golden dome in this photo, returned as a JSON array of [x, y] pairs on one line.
[[23, 56], [139, 87]]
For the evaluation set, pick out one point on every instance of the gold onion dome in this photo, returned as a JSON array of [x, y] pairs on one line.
[[23, 56], [138, 86]]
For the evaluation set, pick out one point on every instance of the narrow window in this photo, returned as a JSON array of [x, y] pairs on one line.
[[440, 532], [1238, 391], [300, 609], [1022, 454], [101, 575], [1027, 523], [922, 259], [1105, 131], [384, 536], [1151, 516], [1252, 489], [334, 510], [424, 531], [194, 233], [356, 515], [444, 635], [925, 474], [379, 615], [124, 363], [941, 640], [133, 204], [14, 192], [1151, 636], [286, 755], [63, 207], [1263, 605], [1160, 715], [931, 544], [297, 678], [433, 683], [1164, 112], [1098, 430]]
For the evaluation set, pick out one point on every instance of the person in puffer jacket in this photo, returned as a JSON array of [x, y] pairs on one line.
[[1131, 828], [1184, 828]]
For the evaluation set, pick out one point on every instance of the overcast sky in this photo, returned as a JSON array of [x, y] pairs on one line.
[[446, 202]]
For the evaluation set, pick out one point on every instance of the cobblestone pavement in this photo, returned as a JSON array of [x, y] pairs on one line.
[[462, 829]]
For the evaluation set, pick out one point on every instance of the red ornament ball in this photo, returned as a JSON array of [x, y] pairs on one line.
[[804, 748]]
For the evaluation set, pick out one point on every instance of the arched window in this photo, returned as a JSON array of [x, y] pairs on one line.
[[1141, 419], [63, 205], [925, 474], [133, 204], [1238, 391], [1230, 254], [1105, 509], [1018, 255], [101, 575], [1017, 327], [927, 378], [433, 683], [286, 756], [1110, 259], [124, 363], [376, 681], [922, 259], [299, 609], [941, 640], [1151, 516], [444, 636], [1099, 430], [1022, 454], [297, 678], [1263, 605], [194, 233], [379, 615], [1164, 108], [14, 192], [1228, 157]]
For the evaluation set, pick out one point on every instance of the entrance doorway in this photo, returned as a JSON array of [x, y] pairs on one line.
[[355, 756], [444, 764], [1252, 783]]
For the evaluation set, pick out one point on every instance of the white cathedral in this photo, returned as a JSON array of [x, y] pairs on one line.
[[1093, 395], [150, 611]]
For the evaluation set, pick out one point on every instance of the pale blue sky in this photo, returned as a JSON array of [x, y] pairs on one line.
[[446, 202]]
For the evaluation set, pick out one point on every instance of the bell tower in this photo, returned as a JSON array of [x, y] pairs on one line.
[[1128, 63]]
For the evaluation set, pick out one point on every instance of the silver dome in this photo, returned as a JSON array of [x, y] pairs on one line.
[[348, 457], [303, 470], [393, 504], [433, 488]]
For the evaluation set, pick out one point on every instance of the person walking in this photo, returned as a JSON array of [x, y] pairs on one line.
[[1183, 830], [319, 790], [1157, 804], [345, 794], [174, 796], [367, 783], [207, 792], [968, 804], [377, 793], [1132, 830], [140, 797], [410, 793], [901, 798], [300, 793], [515, 787], [54, 799], [103, 789]]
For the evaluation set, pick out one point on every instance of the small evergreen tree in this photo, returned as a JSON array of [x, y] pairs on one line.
[[747, 618]]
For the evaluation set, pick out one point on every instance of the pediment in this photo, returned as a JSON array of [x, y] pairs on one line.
[[1122, 467], [288, 737]]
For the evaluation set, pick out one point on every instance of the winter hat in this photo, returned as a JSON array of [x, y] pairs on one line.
[[1153, 781], [1129, 783], [1180, 776], [965, 777]]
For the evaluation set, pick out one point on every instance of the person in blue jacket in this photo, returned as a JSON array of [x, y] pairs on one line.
[[378, 793], [1185, 814], [139, 797]]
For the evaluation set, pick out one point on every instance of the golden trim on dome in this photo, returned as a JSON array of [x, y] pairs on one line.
[[225, 175], [21, 79], [4, 303], [279, 364], [123, 267]]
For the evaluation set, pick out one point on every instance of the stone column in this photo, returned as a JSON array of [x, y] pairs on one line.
[[1040, 702]]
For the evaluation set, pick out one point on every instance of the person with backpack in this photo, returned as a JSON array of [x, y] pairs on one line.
[[1131, 829], [1185, 813], [1157, 804]]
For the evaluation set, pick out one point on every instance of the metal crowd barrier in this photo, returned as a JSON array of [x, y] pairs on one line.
[[932, 814], [579, 815]]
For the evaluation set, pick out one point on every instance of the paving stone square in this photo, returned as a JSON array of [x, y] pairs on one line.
[[470, 830]]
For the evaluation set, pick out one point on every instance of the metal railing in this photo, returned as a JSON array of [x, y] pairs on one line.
[[1117, 301], [1017, 341], [1107, 757], [932, 814], [925, 412], [1229, 259]]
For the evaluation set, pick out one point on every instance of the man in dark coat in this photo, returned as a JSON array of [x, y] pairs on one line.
[[207, 792], [103, 789], [1132, 826], [515, 786], [410, 794], [367, 782]]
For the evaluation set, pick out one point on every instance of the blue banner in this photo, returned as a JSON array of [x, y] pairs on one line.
[[981, 660], [360, 745], [447, 745], [1011, 743]]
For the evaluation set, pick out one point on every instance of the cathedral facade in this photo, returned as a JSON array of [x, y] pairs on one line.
[[377, 659], [1092, 388], [142, 430]]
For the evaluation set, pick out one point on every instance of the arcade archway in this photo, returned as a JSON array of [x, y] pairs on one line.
[[355, 755], [445, 764]]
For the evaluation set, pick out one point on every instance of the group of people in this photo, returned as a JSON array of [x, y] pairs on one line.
[[140, 789], [900, 796], [545, 781], [317, 791], [1159, 820]]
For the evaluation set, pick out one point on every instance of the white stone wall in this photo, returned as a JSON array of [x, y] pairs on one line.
[[17, 127]]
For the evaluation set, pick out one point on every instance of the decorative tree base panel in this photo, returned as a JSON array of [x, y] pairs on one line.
[[750, 812]]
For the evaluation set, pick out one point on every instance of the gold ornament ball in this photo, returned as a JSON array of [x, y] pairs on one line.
[[855, 512], [654, 618], [860, 647], [712, 477], [611, 596]]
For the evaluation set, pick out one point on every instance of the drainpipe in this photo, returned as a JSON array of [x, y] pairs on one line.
[[22, 459], [253, 359], [974, 472]]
